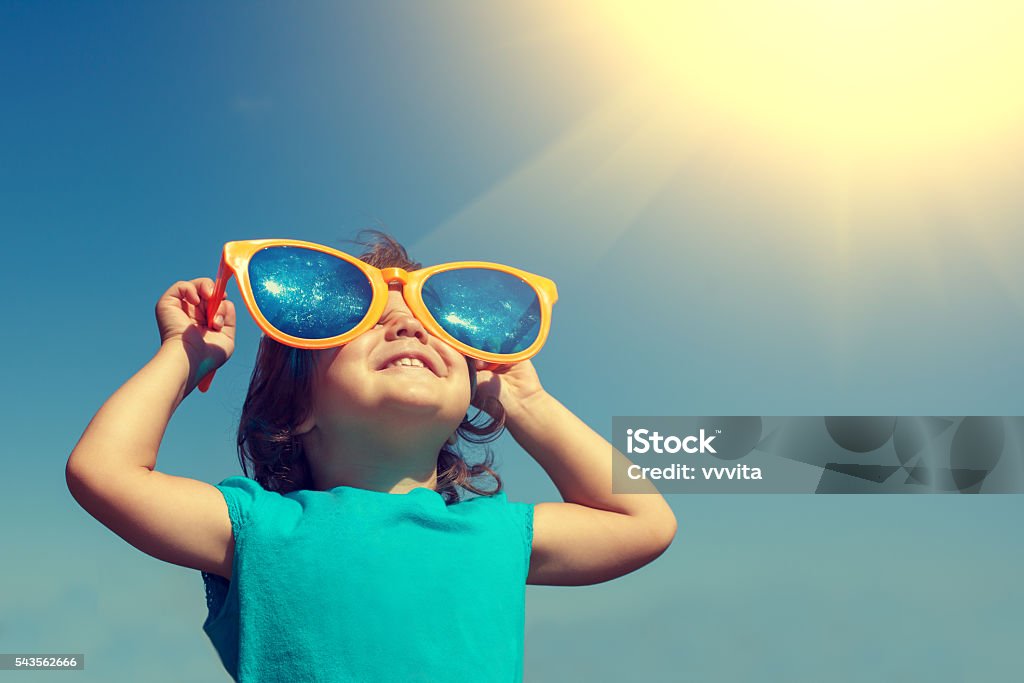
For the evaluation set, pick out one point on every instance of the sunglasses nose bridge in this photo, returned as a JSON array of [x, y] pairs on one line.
[[394, 274]]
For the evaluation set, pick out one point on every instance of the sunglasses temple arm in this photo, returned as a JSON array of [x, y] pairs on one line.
[[220, 287]]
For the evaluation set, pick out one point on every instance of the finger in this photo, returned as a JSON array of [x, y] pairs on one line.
[[225, 315], [205, 286], [186, 291], [229, 312]]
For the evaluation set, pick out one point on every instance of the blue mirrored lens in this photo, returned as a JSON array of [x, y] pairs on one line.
[[307, 293], [486, 309]]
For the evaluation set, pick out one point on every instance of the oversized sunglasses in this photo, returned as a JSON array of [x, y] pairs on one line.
[[309, 296]]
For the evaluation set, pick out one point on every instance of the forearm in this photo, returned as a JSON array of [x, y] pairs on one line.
[[578, 459], [127, 431]]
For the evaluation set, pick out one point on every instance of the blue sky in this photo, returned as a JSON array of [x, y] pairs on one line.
[[136, 139]]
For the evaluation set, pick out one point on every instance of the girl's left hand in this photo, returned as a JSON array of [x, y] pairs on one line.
[[510, 384]]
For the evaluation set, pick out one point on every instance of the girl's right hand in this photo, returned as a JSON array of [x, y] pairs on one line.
[[181, 315]]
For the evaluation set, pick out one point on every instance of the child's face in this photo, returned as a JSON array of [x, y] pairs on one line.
[[355, 389]]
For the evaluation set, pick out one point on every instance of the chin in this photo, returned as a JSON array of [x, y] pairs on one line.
[[427, 407], [421, 402]]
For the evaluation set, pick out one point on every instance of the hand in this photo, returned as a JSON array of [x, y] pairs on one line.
[[181, 316], [511, 384]]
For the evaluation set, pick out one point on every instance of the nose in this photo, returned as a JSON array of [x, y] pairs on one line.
[[398, 320]]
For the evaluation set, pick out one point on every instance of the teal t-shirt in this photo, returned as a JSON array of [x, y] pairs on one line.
[[357, 585]]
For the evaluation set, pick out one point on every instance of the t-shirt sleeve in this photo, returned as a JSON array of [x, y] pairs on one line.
[[241, 495], [522, 519]]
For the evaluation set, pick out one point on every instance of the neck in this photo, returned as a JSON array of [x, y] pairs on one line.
[[393, 460]]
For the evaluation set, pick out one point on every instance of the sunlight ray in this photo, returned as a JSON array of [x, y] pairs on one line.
[[602, 172]]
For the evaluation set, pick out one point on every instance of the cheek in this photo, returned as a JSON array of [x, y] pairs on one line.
[[464, 379], [339, 384]]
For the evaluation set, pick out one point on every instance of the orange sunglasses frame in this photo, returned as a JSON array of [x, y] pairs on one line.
[[235, 261]]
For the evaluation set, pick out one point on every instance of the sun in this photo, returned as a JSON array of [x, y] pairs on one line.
[[868, 89], [852, 137]]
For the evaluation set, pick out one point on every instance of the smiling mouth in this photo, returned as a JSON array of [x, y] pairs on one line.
[[410, 364]]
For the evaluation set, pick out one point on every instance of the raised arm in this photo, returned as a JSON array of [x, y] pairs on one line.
[[594, 535], [111, 471]]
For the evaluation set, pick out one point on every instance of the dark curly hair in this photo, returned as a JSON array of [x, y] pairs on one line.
[[280, 397]]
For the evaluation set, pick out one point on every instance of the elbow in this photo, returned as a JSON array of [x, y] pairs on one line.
[[72, 478], [668, 532], [654, 535], [69, 474], [657, 537], [663, 532], [78, 477], [660, 524]]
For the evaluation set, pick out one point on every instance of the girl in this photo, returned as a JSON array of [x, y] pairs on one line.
[[352, 556]]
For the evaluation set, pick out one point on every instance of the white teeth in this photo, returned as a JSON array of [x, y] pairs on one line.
[[414, 362]]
